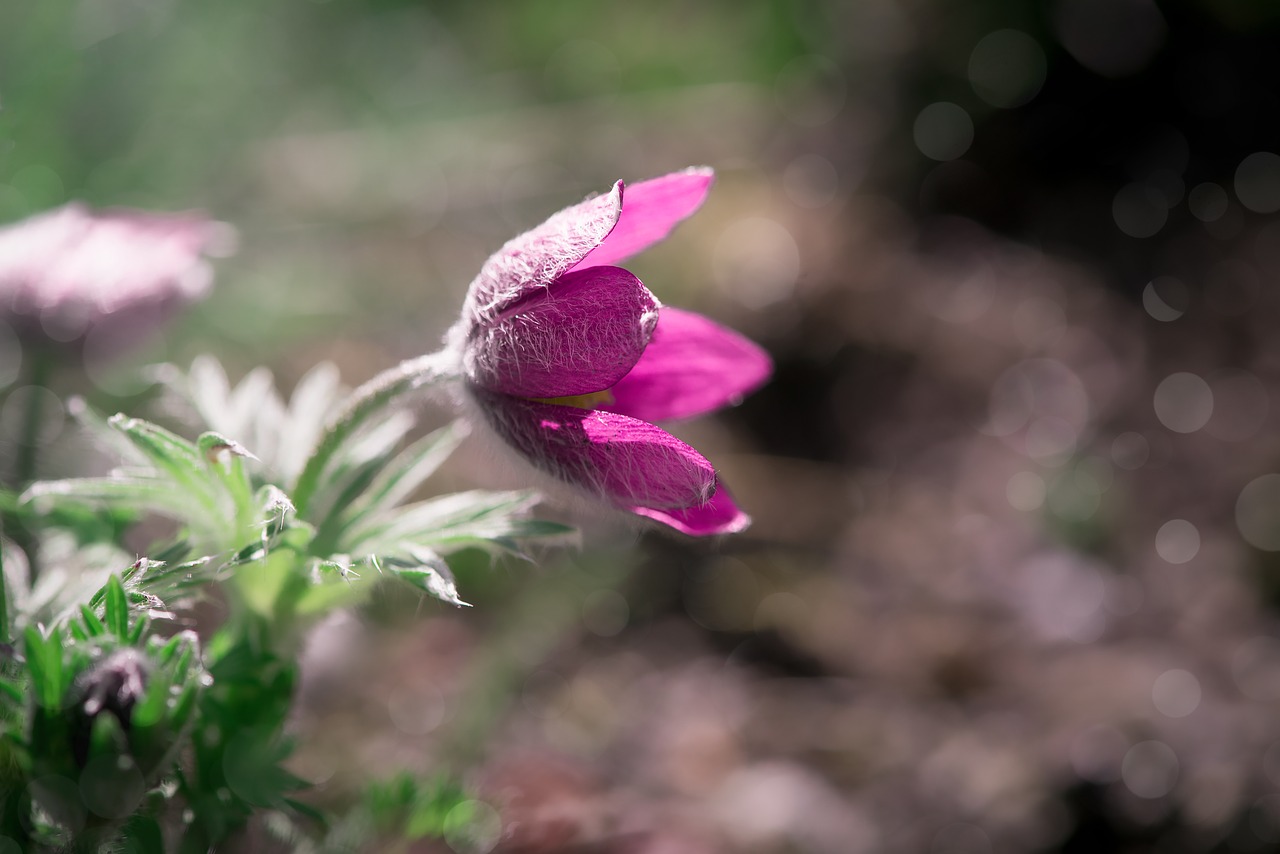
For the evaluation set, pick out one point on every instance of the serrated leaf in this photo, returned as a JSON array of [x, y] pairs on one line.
[[313, 399], [406, 472], [431, 575], [142, 493], [355, 466], [478, 512], [366, 404]]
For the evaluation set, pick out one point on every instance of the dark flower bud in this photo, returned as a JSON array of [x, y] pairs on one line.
[[115, 685]]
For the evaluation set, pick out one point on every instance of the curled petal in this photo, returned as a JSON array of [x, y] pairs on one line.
[[581, 336], [535, 259], [650, 210], [692, 365], [629, 462], [720, 515]]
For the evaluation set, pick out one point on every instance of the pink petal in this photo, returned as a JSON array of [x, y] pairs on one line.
[[720, 515], [692, 365], [629, 462], [579, 337], [538, 257], [650, 210]]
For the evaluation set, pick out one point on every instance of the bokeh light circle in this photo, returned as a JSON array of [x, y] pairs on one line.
[[416, 709], [1165, 299], [112, 787], [1258, 513], [1130, 450], [21, 401], [1150, 769], [943, 131], [1208, 202], [1183, 402], [473, 827], [1176, 693], [811, 181], [605, 613], [1025, 491], [1139, 210], [1177, 541], [1007, 68], [1257, 182], [1113, 38], [756, 261]]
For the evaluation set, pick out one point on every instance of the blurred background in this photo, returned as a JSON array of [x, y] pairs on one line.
[[1015, 569]]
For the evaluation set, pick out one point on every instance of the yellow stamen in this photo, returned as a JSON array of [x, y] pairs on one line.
[[594, 400]]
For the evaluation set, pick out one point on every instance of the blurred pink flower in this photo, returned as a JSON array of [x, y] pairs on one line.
[[65, 271], [570, 358]]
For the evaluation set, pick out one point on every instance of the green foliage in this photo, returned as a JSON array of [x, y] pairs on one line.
[[107, 708], [110, 724]]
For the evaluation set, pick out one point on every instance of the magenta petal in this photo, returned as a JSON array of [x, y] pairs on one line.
[[579, 337], [692, 365], [627, 461], [650, 210], [538, 257], [720, 515]]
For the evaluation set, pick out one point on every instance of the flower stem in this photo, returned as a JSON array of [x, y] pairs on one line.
[[40, 367], [377, 394]]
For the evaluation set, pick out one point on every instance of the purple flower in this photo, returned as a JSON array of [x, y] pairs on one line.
[[570, 358], [66, 271]]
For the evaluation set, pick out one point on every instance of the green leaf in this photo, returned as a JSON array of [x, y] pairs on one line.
[[118, 491], [44, 663], [430, 575], [148, 711], [12, 692], [226, 459], [313, 399], [92, 625], [478, 514], [138, 631], [116, 608], [404, 474], [372, 399]]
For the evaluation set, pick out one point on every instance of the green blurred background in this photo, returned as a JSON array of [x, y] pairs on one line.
[[1013, 578]]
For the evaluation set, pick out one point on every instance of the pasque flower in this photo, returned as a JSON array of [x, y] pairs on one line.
[[570, 359], [65, 271]]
